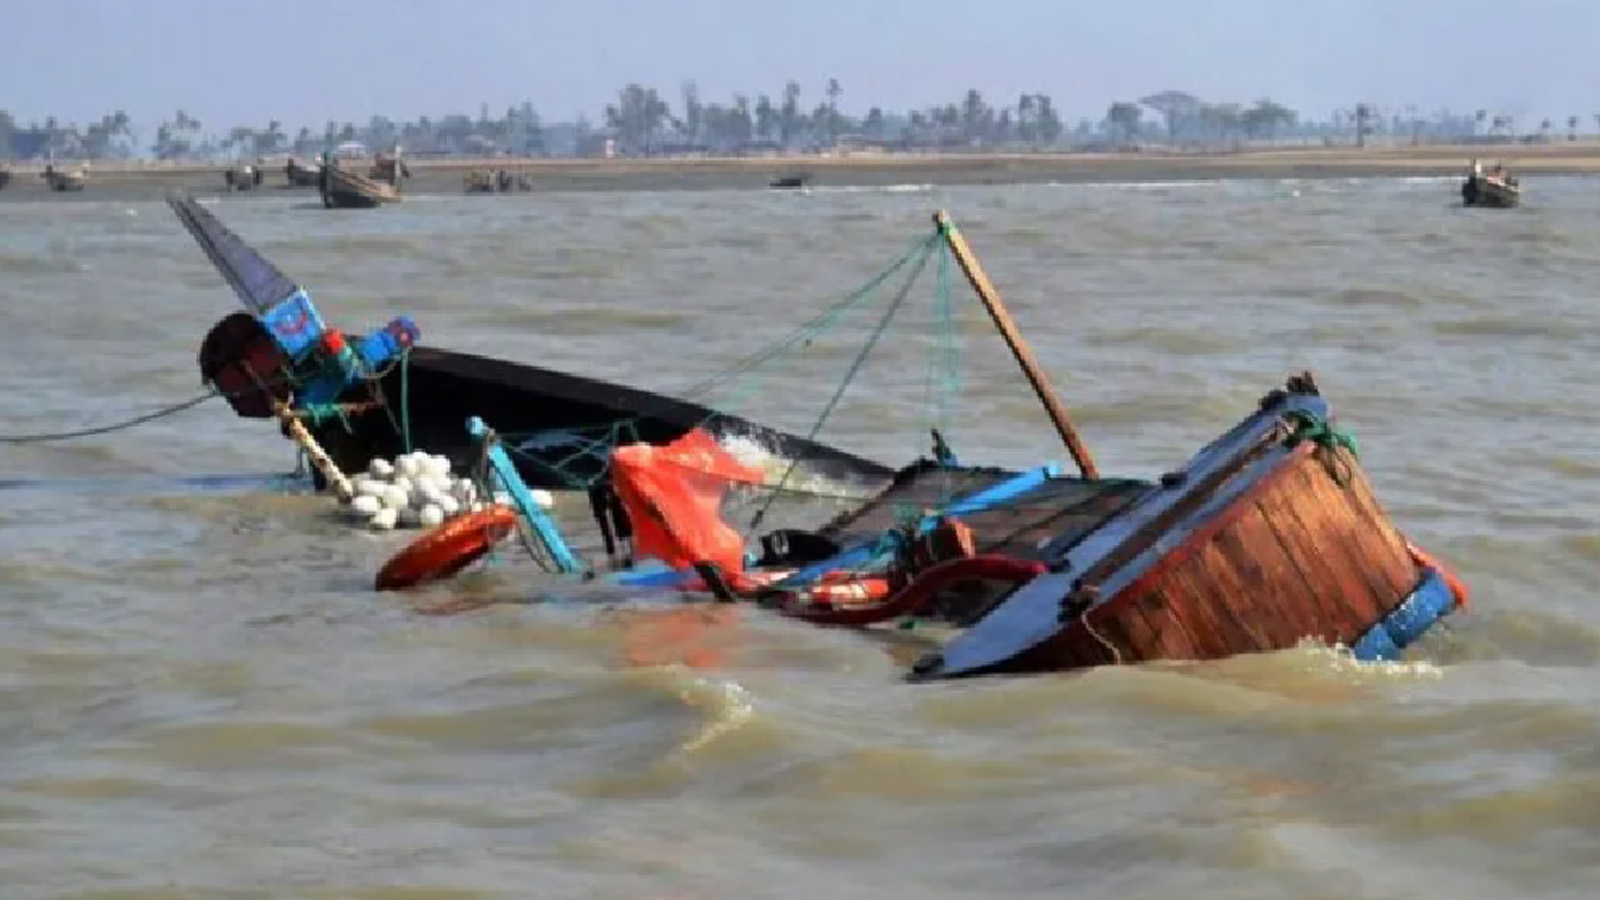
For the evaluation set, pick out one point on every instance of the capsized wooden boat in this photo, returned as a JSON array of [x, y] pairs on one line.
[[344, 189], [1268, 536], [386, 393]]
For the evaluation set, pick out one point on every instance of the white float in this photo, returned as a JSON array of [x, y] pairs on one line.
[[418, 489]]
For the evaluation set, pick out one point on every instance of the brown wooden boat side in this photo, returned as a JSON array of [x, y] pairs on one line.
[[1305, 552], [343, 180]]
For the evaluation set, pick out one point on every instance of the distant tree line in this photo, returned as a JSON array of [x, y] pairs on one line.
[[643, 122]]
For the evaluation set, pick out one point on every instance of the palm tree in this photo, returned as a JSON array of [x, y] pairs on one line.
[[834, 90]]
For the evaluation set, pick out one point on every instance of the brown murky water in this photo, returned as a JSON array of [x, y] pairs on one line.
[[200, 696]]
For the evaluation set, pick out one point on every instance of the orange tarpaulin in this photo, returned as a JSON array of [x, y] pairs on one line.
[[673, 495]]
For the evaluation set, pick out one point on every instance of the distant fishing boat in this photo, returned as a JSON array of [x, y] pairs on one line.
[[298, 174], [245, 178], [65, 182], [481, 182], [5, 177], [790, 182], [344, 189], [1495, 189]]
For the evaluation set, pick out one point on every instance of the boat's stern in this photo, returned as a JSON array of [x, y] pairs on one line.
[[1268, 536]]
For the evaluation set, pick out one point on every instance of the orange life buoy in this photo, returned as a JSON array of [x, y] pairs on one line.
[[1421, 557], [447, 549]]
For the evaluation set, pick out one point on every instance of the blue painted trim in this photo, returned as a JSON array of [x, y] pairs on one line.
[[543, 525], [651, 574], [1029, 617], [294, 324], [860, 554], [1406, 623]]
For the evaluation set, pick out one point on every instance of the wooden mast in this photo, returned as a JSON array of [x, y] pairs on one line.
[[1019, 348]]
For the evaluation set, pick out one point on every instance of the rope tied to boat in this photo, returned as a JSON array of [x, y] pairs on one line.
[[167, 411], [1306, 426], [1329, 438], [596, 442], [162, 413]]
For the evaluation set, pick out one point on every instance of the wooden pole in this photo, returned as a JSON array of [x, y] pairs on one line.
[[1013, 338], [319, 457]]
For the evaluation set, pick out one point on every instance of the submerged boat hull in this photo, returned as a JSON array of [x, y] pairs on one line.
[[558, 427]]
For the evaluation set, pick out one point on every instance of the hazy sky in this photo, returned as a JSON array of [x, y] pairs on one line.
[[305, 61]]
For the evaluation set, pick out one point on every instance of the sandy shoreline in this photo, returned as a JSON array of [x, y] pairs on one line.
[[444, 175]]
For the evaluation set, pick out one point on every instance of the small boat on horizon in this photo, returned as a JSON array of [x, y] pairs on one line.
[[298, 174], [65, 182], [1495, 188], [243, 178], [344, 188]]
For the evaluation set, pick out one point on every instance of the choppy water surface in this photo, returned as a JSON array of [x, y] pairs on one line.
[[200, 697]]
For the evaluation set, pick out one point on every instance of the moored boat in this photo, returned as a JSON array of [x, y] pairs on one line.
[[1268, 536], [791, 182], [5, 177], [499, 181], [65, 182], [298, 174], [243, 178], [389, 168], [1495, 188], [342, 188]]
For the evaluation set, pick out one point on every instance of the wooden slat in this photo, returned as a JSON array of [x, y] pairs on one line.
[[1257, 561], [1352, 542], [1329, 606]]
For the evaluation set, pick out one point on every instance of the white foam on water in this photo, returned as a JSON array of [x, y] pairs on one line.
[[1341, 659], [774, 466]]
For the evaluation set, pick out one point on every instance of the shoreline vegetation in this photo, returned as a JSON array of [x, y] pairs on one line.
[[444, 175]]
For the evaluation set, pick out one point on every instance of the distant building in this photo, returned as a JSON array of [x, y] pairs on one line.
[[602, 143]]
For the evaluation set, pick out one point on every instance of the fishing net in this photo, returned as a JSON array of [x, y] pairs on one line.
[[716, 496]]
